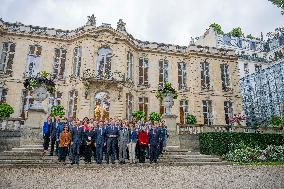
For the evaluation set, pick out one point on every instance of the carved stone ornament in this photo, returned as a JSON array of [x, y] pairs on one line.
[[91, 20], [121, 25], [168, 103], [39, 95]]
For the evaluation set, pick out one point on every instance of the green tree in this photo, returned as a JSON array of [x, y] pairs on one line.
[[250, 36], [217, 28], [236, 32], [278, 3]]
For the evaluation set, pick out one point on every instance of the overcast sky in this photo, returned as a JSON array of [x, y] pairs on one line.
[[167, 21]]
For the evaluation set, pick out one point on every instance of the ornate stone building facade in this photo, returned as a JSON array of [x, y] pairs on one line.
[[99, 69]]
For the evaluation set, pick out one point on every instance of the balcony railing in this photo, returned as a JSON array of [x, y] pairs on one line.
[[11, 123]]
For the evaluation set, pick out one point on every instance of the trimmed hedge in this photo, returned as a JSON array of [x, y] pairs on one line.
[[220, 143]]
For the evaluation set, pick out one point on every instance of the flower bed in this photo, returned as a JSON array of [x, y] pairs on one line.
[[246, 154]]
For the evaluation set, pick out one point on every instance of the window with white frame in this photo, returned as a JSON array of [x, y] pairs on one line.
[[228, 109], [33, 61], [143, 104], [7, 56], [163, 72], [104, 63], [130, 66], [72, 103], [207, 112], [3, 94], [182, 74], [205, 78], [225, 78], [129, 105], [77, 53], [143, 71], [59, 63], [183, 111]]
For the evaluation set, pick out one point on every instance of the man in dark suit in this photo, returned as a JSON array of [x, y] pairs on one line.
[[99, 141], [76, 135], [154, 142], [111, 134], [54, 135], [46, 133]]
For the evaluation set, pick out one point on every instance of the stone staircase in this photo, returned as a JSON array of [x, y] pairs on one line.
[[183, 157], [33, 155]]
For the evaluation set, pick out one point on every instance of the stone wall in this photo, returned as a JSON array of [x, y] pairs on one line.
[[9, 139]]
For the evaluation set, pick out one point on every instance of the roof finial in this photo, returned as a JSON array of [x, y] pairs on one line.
[[91, 20]]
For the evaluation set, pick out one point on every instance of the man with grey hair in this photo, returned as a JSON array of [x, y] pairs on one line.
[[123, 139]]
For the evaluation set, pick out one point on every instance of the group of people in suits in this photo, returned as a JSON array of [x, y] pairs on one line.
[[108, 139]]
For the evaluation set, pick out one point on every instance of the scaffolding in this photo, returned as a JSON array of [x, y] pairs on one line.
[[263, 94]]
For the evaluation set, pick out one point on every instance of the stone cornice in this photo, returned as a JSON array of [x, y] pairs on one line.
[[19, 29]]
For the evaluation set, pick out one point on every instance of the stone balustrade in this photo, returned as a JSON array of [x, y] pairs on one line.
[[183, 129], [11, 123]]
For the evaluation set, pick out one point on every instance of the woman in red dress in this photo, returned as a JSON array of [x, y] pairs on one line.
[[143, 143]]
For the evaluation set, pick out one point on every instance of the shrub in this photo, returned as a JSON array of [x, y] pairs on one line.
[[276, 121], [5, 110], [191, 119], [220, 143], [154, 116], [138, 115], [57, 111]]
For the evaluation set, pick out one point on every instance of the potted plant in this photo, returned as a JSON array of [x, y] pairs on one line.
[[167, 93], [40, 85], [57, 111], [138, 115], [154, 116], [191, 120], [5, 110]]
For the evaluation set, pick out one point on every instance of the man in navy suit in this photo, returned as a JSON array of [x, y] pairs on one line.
[[46, 132], [154, 142], [99, 141], [54, 135], [76, 134], [111, 134]]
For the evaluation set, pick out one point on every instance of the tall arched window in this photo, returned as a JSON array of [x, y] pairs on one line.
[[104, 63]]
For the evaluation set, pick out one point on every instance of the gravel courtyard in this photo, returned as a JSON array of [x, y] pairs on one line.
[[144, 177]]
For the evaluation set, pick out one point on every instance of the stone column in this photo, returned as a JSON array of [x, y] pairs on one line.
[[31, 132], [173, 140]]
